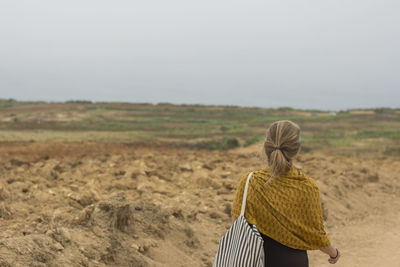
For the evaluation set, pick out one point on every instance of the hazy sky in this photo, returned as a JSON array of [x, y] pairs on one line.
[[330, 54]]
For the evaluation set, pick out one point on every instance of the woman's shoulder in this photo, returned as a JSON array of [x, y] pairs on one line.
[[308, 179], [256, 173], [264, 171], [304, 177]]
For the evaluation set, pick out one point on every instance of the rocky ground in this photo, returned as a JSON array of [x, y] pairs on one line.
[[97, 204]]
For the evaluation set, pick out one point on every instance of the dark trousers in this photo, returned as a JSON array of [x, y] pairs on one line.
[[278, 255]]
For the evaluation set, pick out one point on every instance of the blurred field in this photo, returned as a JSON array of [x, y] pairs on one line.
[[355, 132], [118, 184]]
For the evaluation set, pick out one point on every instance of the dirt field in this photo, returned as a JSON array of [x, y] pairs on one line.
[[352, 133], [122, 204]]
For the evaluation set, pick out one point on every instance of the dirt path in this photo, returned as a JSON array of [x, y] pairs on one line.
[[372, 242]]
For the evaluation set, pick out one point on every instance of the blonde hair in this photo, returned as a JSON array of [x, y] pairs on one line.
[[282, 143]]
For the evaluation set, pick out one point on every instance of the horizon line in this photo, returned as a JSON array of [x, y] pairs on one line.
[[84, 101]]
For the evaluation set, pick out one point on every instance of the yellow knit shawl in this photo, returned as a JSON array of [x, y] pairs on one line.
[[287, 208]]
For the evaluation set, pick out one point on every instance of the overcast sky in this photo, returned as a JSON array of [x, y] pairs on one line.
[[330, 54]]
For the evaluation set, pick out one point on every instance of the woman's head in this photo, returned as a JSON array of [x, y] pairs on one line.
[[282, 143]]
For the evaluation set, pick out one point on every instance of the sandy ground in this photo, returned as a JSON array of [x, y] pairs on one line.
[[373, 241], [92, 204]]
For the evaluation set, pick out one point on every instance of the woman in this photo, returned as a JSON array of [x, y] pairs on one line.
[[284, 203]]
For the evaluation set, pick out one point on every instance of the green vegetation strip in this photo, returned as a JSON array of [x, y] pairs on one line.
[[203, 127]]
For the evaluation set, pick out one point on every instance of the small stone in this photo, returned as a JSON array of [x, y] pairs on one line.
[[64, 232], [58, 168], [98, 231], [119, 173], [186, 168], [58, 246], [225, 174], [49, 232], [228, 209], [214, 215], [373, 178], [53, 174], [208, 167]]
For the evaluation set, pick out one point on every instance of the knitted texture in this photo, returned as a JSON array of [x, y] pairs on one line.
[[287, 208]]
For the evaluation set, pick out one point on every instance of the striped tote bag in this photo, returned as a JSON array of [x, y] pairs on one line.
[[242, 245]]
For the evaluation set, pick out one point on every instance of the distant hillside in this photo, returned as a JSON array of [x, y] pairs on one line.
[[357, 132]]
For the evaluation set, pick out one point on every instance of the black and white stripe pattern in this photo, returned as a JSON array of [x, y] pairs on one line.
[[242, 245]]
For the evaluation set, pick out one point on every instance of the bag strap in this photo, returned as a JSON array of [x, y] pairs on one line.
[[245, 194]]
